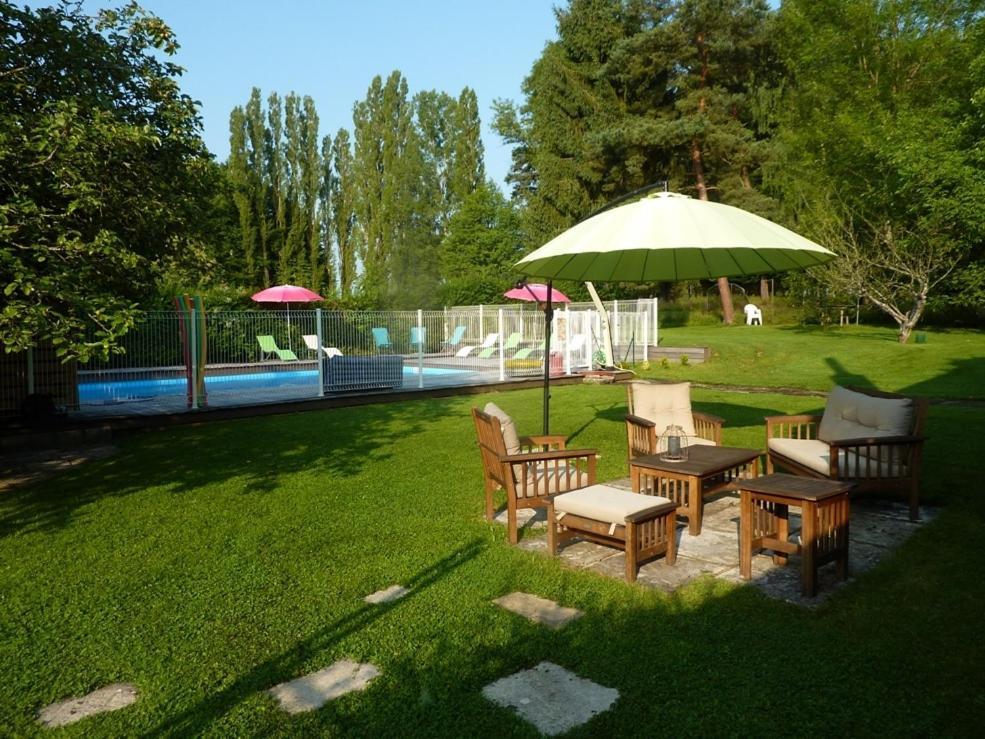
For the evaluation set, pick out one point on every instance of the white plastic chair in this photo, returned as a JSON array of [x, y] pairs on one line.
[[753, 315]]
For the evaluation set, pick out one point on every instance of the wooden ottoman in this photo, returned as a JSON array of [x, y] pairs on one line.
[[640, 525]]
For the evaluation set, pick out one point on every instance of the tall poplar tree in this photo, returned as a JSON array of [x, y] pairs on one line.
[[342, 196]]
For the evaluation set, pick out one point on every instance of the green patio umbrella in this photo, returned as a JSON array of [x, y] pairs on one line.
[[667, 237]]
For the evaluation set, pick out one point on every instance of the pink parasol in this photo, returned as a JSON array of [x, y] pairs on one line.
[[536, 292], [286, 294]]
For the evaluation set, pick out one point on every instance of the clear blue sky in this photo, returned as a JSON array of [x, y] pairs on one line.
[[332, 49]]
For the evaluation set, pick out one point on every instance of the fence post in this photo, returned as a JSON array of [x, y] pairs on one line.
[[420, 348], [319, 352], [193, 340], [502, 359], [646, 335], [569, 334], [482, 325], [656, 322], [445, 316], [615, 321]]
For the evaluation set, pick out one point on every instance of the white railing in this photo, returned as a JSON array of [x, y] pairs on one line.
[[250, 357]]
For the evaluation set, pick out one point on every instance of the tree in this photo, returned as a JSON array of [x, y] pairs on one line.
[[637, 92], [482, 243], [103, 173], [342, 195], [881, 158]]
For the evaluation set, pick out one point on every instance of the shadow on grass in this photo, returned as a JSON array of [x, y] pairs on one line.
[[284, 666], [258, 454]]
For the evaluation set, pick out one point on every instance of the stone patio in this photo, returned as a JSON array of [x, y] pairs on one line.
[[877, 528]]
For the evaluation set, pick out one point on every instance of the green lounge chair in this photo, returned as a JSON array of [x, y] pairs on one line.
[[269, 346], [512, 342], [527, 351], [382, 338]]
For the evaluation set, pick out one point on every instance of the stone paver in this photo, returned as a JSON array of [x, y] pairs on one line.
[[388, 595], [316, 689], [550, 697], [539, 610], [877, 528], [109, 698], [526, 518]]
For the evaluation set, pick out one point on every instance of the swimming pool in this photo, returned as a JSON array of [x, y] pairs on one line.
[[115, 391]]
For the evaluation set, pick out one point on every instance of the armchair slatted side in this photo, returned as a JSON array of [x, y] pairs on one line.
[[543, 467]]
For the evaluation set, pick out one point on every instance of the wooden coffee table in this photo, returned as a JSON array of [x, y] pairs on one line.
[[707, 470], [765, 523]]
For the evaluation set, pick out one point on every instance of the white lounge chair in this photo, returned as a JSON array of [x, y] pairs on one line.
[[311, 341], [489, 342]]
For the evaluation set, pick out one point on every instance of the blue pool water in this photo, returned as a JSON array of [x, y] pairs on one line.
[[117, 390]]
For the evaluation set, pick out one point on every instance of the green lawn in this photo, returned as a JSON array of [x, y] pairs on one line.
[[206, 564], [950, 365]]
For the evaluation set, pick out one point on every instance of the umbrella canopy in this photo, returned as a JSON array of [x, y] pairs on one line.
[[668, 237], [536, 292], [286, 294]]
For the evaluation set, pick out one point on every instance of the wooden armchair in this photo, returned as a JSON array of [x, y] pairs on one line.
[[655, 406], [872, 439], [529, 468]]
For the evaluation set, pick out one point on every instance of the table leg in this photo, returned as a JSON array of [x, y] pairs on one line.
[[808, 532], [695, 492], [781, 516], [843, 559], [745, 534], [634, 478]]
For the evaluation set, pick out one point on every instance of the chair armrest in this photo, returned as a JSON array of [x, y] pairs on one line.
[[550, 440], [550, 455], [708, 418], [877, 441], [639, 421]]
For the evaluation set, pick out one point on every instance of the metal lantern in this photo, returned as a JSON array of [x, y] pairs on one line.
[[672, 446]]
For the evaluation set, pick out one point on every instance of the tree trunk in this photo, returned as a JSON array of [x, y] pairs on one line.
[[764, 289], [724, 291]]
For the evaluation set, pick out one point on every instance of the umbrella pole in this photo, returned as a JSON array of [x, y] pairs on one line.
[[548, 316]]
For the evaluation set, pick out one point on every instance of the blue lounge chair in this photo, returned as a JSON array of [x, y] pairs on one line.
[[418, 335], [382, 338], [455, 339]]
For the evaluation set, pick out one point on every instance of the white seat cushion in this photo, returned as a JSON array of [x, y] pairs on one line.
[[699, 441], [816, 455], [665, 405], [605, 503], [547, 482], [852, 415]]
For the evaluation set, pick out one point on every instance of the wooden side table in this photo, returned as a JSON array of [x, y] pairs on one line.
[[707, 470], [765, 524]]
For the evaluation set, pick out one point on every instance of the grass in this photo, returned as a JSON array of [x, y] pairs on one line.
[[950, 365], [207, 564]]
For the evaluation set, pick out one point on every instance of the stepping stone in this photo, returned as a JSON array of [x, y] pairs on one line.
[[392, 593], [539, 610], [110, 698], [550, 697], [315, 690]]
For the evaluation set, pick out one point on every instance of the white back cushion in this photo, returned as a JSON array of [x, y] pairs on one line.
[[852, 415], [665, 405], [510, 436]]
